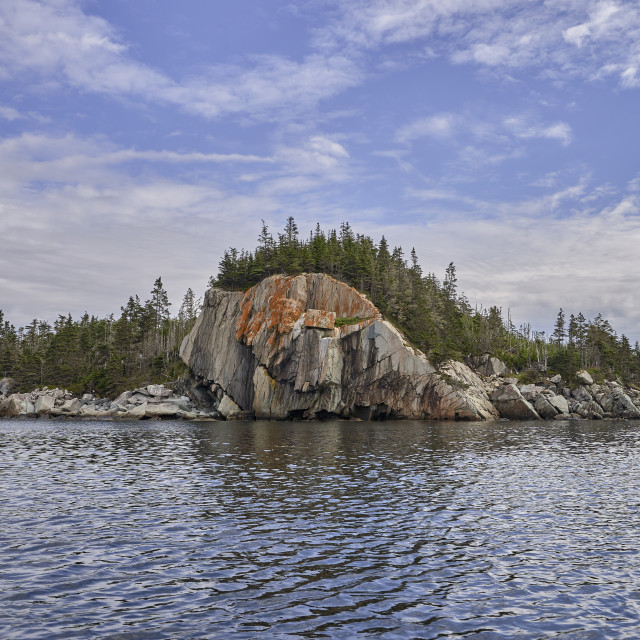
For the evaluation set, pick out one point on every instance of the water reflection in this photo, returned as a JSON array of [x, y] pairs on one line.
[[331, 529]]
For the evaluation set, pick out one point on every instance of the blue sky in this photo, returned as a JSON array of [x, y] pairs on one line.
[[143, 138]]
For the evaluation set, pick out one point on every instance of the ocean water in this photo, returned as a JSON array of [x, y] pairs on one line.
[[152, 530]]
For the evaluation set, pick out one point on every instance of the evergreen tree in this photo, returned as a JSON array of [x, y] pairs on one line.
[[559, 333]]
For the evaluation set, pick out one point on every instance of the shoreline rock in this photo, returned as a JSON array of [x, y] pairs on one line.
[[151, 402]]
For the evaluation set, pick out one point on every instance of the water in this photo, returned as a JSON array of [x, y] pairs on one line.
[[154, 530]]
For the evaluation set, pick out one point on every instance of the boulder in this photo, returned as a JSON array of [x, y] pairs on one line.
[[11, 406], [158, 391], [544, 408], [557, 379], [581, 394], [45, 404], [27, 408], [123, 399], [162, 410], [531, 391], [137, 413], [259, 348], [511, 405], [488, 365], [228, 407], [559, 403], [584, 377], [93, 411], [621, 404], [71, 407]]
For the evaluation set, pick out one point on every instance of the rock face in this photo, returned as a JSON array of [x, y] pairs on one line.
[[276, 351]]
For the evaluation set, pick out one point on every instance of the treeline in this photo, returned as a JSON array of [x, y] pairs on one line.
[[435, 317], [109, 355], [101, 355]]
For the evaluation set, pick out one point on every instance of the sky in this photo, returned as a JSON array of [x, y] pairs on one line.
[[141, 139]]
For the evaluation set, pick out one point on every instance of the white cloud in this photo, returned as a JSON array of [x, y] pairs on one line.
[[9, 113], [498, 137], [59, 43], [71, 212], [440, 125], [562, 38], [524, 127]]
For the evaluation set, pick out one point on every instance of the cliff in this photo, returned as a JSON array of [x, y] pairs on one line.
[[311, 346]]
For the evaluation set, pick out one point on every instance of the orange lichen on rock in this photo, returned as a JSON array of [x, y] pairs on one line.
[[271, 308], [320, 319], [268, 307]]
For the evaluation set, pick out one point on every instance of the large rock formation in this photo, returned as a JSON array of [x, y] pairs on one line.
[[311, 346]]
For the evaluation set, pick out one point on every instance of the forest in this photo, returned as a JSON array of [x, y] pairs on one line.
[[108, 355]]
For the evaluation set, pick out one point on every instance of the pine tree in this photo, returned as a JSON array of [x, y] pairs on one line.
[[559, 332], [450, 281]]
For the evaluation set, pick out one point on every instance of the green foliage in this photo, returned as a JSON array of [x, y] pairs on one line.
[[530, 376], [100, 355]]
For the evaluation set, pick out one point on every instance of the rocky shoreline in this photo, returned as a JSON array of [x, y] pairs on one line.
[[548, 399], [150, 402]]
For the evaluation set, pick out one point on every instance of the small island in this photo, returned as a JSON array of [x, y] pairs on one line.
[[336, 326]]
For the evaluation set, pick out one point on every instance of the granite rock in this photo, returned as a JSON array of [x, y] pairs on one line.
[[261, 350]]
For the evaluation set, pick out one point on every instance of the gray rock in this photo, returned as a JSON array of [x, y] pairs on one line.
[[123, 399], [71, 407], [159, 391], [27, 407], [488, 365], [510, 403], [44, 404], [557, 379], [162, 410], [138, 398], [581, 395], [531, 391], [559, 403], [257, 349], [137, 413], [12, 406], [584, 377], [228, 407], [545, 408]]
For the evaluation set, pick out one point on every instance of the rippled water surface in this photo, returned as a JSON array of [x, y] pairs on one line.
[[319, 530]]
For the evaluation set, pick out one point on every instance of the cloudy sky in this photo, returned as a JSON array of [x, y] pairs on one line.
[[140, 139]]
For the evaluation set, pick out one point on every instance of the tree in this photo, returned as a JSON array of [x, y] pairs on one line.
[[450, 281], [559, 333]]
